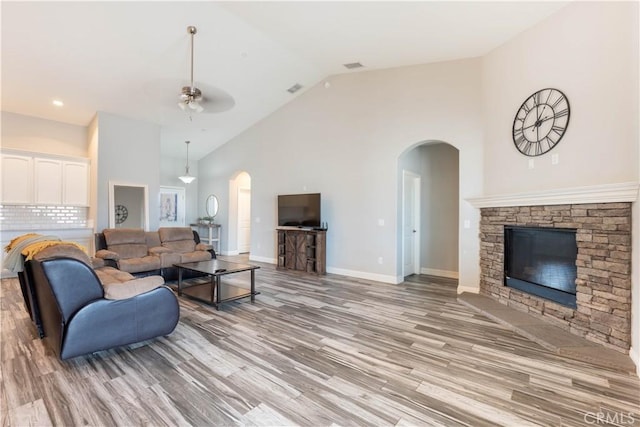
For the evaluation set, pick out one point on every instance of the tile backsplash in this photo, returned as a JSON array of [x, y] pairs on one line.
[[34, 217]]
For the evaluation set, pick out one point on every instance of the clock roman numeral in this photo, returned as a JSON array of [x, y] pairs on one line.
[[536, 98], [550, 143], [557, 129], [562, 113], [558, 101], [526, 107]]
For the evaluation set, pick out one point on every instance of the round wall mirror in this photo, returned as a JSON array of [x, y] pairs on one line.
[[212, 206]]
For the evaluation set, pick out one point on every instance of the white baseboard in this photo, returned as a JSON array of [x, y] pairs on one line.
[[364, 275], [470, 289], [230, 253], [440, 273], [635, 356], [262, 259]]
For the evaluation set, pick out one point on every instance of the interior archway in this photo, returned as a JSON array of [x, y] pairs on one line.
[[430, 171]]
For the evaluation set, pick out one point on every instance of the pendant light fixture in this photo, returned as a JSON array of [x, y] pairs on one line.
[[186, 178]]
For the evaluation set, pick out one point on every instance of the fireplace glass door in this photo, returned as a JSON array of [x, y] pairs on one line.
[[542, 262]]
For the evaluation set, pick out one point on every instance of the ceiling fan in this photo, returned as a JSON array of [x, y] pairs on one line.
[[192, 98]]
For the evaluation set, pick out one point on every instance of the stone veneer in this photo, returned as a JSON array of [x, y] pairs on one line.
[[603, 235]]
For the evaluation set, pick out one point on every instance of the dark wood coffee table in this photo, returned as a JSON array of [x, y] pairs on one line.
[[215, 292]]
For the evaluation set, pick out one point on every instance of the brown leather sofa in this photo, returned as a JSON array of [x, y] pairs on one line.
[[153, 252]]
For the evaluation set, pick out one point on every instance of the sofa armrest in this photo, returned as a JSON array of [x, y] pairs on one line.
[[106, 254], [203, 247], [157, 250]]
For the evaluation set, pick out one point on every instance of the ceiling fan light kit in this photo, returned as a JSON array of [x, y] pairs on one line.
[[191, 96]]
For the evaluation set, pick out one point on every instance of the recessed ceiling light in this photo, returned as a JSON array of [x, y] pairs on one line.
[[296, 87], [353, 65], [58, 103]]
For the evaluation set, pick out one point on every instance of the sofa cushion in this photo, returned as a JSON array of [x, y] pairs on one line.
[[152, 238], [127, 242], [139, 264], [132, 287], [178, 239]]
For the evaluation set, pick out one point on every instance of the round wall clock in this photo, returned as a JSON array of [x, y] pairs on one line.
[[541, 122], [121, 214]]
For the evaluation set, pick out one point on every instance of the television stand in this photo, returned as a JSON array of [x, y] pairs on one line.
[[302, 249]]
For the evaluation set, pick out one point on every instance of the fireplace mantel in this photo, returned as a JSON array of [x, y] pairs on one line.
[[606, 193]]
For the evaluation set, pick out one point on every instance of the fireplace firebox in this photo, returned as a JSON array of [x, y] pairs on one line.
[[542, 262]]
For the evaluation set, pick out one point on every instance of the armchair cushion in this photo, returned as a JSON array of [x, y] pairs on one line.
[[132, 288]]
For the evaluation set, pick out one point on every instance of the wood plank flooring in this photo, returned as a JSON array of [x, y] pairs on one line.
[[312, 351]]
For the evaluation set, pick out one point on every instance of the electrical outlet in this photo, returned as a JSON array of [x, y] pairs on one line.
[[531, 164], [555, 159], [380, 260], [258, 220], [381, 222], [467, 223]]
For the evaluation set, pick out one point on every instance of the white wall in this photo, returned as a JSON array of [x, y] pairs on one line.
[[344, 142], [170, 169], [129, 153], [43, 136], [635, 219], [589, 50], [439, 246]]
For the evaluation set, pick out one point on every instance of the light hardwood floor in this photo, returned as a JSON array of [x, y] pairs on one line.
[[313, 352]]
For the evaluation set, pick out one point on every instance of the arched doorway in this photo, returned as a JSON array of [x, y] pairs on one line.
[[239, 232], [429, 210]]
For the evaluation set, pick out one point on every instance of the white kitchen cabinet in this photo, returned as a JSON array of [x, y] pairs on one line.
[[47, 181], [75, 181], [44, 180], [17, 178]]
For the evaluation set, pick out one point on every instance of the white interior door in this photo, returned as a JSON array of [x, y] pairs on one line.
[[244, 220], [410, 223]]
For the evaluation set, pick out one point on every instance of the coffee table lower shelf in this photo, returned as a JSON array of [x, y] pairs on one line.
[[205, 292], [214, 291]]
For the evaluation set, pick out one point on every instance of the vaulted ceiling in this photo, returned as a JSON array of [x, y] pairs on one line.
[[132, 58]]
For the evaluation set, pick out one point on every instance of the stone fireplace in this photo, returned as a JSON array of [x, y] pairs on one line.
[[603, 285]]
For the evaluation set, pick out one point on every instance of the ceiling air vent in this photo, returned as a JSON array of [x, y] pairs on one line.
[[353, 65], [296, 87]]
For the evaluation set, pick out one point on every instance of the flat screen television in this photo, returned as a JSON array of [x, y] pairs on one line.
[[299, 210]]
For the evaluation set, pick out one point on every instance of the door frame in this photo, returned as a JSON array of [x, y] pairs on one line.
[[240, 190], [111, 204], [417, 180]]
